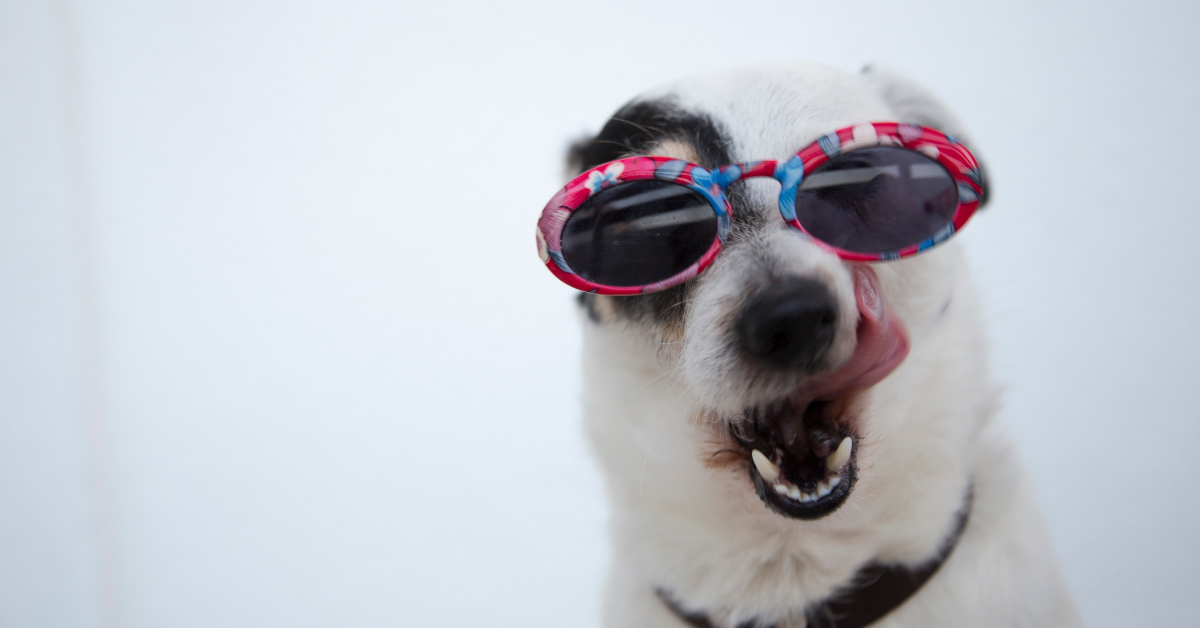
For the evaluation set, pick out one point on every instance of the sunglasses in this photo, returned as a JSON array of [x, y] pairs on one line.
[[870, 192]]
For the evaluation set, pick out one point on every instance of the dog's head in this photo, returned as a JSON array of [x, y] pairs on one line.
[[779, 345]]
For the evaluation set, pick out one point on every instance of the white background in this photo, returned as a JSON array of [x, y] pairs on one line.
[[276, 348]]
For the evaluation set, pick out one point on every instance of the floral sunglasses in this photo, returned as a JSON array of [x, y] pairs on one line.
[[871, 192]]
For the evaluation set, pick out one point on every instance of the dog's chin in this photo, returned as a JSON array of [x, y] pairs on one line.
[[801, 455]]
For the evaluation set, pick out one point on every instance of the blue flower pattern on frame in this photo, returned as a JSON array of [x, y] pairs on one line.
[[702, 177], [830, 144], [727, 175], [597, 181], [560, 261], [966, 194], [790, 173], [670, 170], [713, 185], [724, 224]]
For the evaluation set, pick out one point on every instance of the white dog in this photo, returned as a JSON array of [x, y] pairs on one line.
[[918, 513]]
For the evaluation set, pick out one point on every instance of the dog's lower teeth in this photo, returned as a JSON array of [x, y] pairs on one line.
[[772, 476], [767, 469], [839, 458], [793, 492]]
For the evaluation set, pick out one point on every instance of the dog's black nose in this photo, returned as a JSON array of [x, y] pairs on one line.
[[791, 324]]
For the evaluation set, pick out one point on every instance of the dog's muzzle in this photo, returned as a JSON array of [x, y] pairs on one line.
[[802, 450]]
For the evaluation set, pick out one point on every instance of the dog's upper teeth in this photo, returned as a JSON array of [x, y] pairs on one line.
[[839, 458], [766, 468]]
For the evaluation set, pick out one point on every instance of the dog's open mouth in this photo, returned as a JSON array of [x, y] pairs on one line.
[[802, 450], [802, 455]]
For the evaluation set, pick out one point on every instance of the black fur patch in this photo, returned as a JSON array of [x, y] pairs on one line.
[[633, 130], [587, 301], [639, 125]]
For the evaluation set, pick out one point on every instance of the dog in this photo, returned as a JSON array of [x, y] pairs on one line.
[[923, 516]]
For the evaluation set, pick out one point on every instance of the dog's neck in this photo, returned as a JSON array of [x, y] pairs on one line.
[[872, 593]]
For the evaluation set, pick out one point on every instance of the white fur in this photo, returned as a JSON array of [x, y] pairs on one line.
[[652, 414]]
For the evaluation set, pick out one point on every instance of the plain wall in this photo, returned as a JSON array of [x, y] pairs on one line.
[[276, 348]]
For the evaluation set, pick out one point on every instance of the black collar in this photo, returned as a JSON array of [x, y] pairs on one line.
[[875, 590]]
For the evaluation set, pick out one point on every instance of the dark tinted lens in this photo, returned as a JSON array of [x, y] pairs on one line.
[[876, 200], [638, 233]]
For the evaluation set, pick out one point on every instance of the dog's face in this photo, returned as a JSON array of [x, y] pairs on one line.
[[779, 347]]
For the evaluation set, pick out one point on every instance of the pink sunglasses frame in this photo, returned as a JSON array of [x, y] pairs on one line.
[[951, 154]]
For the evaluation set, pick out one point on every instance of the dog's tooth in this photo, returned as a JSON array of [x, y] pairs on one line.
[[766, 468], [839, 458], [780, 488], [794, 493]]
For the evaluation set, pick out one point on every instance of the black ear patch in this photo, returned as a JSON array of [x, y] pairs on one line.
[[639, 125], [576, 153]]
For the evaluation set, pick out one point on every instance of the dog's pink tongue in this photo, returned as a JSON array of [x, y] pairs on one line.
[[882, 343]]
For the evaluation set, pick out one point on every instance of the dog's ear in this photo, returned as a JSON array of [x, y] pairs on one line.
[[913, 103]]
